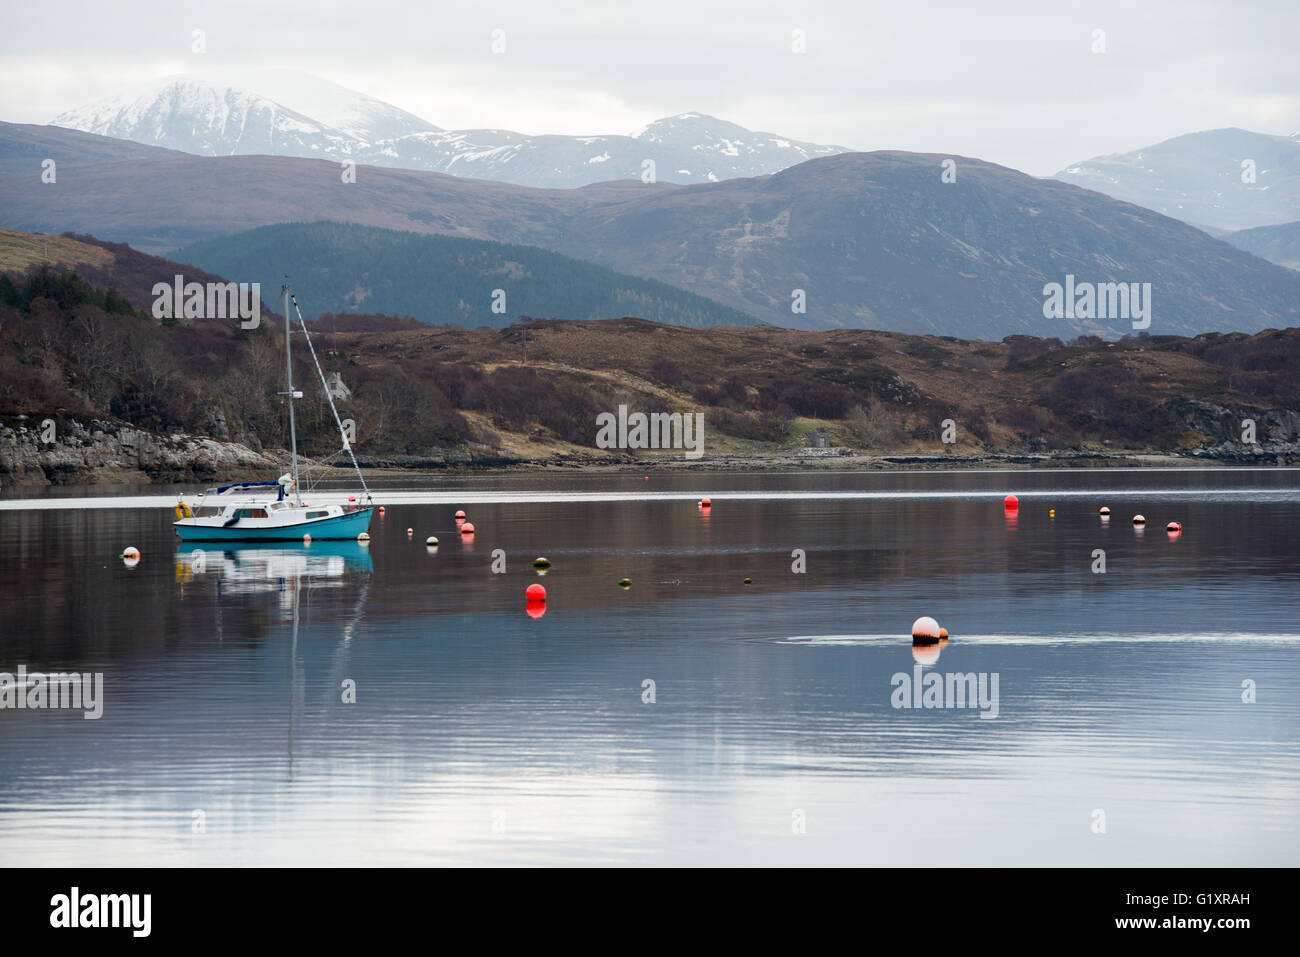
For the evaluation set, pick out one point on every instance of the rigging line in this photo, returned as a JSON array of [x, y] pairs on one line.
[[347, 446]]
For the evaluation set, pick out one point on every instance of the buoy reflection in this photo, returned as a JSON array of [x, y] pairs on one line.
[[925, 651]]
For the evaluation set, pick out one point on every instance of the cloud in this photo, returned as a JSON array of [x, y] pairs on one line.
[[1014, 82]]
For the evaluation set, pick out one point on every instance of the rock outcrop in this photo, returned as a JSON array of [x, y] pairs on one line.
[[71, 451]]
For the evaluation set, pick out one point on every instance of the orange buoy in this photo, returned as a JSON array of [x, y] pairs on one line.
[[535, 609], [943, 632], [467, 529], [1139, 520], [381, 510], [925, 627], [460, 513], [1011, 502], [535, 592], [1174, 527]]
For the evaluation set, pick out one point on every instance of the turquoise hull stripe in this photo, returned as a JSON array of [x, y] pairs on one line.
[[349, 525]]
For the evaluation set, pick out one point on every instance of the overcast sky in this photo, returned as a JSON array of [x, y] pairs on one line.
[[1012, 82]]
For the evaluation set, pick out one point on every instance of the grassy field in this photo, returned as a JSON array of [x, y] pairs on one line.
[[20, 251]]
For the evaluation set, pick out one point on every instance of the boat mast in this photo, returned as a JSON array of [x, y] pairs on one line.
[[288, 364]]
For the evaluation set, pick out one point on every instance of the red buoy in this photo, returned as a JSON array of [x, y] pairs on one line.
[[535, 592], [706, 503], [1174, 527], [460, 513], [1011, 502], [381, 510]]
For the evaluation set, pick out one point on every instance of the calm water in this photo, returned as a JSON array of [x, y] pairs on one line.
[[482, 735]]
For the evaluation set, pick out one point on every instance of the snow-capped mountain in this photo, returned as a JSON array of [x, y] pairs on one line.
[[689, 148], [284, 113], [1223, 179], [304, 116]]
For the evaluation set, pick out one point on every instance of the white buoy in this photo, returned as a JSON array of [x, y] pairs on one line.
[[925, 627], [431, 541]]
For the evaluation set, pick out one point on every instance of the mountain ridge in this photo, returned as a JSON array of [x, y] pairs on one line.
[[303, 116], [873, 239], [1228, 178]]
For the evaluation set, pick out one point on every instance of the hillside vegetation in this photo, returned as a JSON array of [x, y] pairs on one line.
[[70, 348]]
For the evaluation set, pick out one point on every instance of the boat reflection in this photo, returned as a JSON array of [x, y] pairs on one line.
[[254, 568]]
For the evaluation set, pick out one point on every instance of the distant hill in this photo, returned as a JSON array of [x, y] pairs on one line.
[[441, 280], [288, 113], [1198, 178], [24, 147], [874, 240], [1277, 244]]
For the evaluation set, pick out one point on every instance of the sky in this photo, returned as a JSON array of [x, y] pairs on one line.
[[1024, 84]]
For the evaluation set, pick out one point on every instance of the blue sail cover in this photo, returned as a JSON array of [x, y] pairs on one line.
[[279, 496]]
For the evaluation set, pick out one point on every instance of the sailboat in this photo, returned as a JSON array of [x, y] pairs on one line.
[[250, 514]]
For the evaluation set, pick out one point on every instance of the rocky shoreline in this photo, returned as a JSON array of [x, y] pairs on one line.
[[70, 451], [91, 452]]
